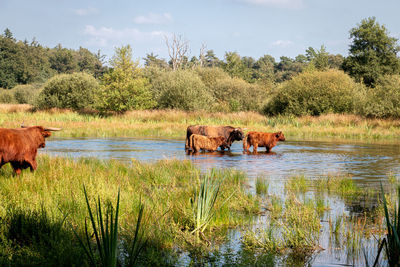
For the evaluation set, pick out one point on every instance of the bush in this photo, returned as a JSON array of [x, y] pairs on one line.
[[6, 96], [75, 91], [239, 95], [26, 93], [315, 93], [210, 76], [383, 101], [182, 89]]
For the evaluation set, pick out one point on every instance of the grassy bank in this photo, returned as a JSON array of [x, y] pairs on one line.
[[39, 212], [33, 207], [173, 123]]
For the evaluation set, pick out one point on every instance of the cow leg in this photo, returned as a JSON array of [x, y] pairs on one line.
[[255, 146], [267, 149], [16, 167], [32, 165]]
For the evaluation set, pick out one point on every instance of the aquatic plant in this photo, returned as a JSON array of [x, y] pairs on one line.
[[203, 204], [391, 241], [261, 186], [105, 231]]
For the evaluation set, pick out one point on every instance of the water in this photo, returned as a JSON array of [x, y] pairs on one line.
[[366, 163]]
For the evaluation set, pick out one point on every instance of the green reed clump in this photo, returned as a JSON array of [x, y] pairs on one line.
[[297, 184], [105, 231], [262, 186], [203, 204], [391, 242]]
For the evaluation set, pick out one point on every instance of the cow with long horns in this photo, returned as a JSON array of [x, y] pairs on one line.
[[19, 146]]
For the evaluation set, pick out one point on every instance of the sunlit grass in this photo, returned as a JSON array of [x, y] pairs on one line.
[[165, 186], [173, 124]]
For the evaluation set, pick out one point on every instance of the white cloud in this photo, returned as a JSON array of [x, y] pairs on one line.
[[86, 11], [152, 18], [105, 36], [291, 4], [282, 43]]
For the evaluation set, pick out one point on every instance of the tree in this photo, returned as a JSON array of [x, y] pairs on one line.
[[211, 59], [62, 60], [265, 68], [372, 53], [152, 60], [177, 50], [124, 87], [318, 58]]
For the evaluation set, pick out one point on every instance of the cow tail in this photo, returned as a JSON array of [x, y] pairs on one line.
[[245, 142]]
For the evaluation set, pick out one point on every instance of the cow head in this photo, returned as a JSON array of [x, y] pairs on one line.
[[279, 136], [43, 133], [237, 134]]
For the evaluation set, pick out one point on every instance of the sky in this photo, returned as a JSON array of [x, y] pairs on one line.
[[252, 28]]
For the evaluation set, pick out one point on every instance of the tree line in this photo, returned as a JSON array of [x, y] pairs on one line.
[[205, 81]]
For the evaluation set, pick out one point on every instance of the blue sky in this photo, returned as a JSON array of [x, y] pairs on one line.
[[250, 27]]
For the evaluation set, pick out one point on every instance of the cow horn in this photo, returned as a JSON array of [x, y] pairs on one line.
[[52, 129]]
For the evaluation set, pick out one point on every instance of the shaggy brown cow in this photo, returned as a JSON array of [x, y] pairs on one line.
[[198, 142], [230, 133], [259, 139], [19, 146]]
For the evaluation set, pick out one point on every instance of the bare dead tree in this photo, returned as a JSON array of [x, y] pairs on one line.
[[202, 56], [177, 50]]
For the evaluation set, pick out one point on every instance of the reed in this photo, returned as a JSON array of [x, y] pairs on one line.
[[105, 231], [203, 205], [391, 242], [262, 186]]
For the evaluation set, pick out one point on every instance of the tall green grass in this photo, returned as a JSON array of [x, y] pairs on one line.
[[166, 186]]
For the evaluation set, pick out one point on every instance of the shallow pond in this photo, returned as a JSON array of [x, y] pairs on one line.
[[367, 164]]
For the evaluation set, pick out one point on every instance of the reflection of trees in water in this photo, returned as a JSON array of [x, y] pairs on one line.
[[361, 205]]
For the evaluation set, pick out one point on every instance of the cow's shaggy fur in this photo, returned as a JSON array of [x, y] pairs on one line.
[[260, 139], [230, 133], [19, 146], [201, 142]]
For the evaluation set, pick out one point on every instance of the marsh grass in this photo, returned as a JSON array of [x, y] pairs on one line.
[[295, 232], [166, 186], [262, 186], [173, 123]]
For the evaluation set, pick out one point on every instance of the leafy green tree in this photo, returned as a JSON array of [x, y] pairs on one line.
[[318, 58], [152, 60], [124, 87], [62, 60], [287, 68], [235, 66], [373, 52], [211, 59], [12, 61], [264, 68]]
